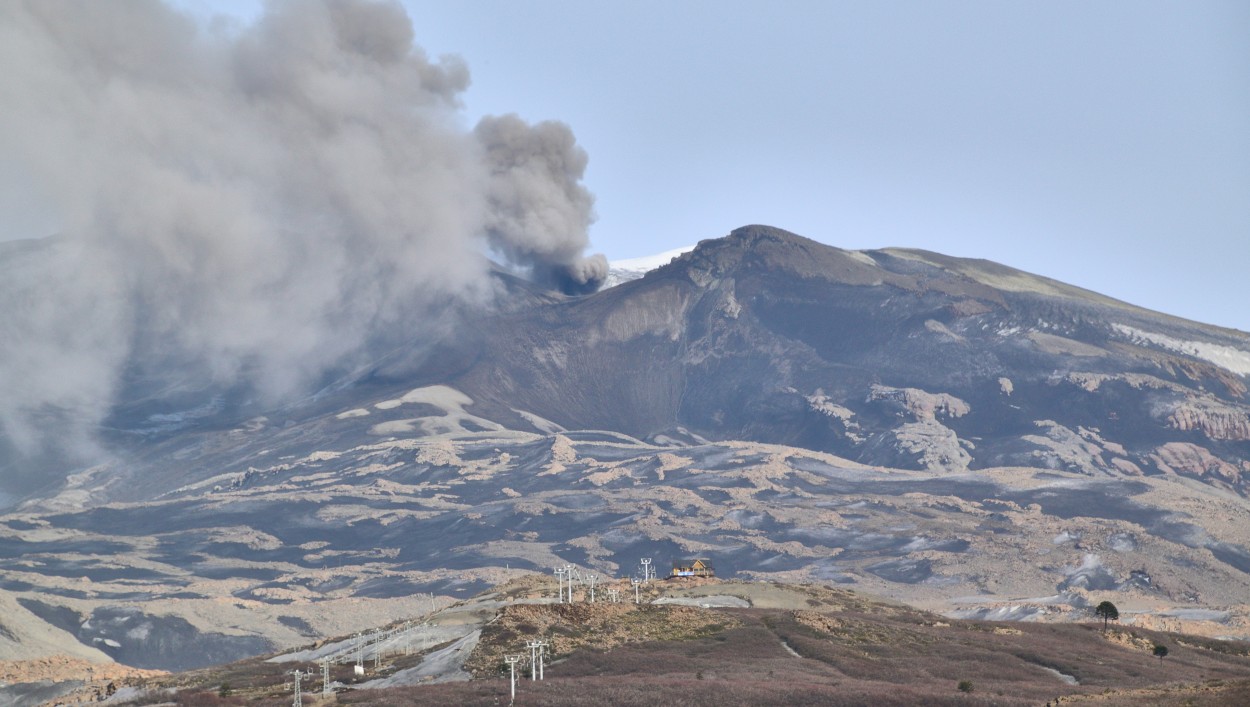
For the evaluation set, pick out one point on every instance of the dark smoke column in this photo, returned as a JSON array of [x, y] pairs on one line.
[[539, 211]]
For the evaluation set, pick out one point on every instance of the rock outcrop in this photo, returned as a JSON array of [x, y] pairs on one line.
[[1215, 419]]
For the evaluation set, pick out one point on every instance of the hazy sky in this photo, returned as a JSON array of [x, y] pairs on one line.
[[1106, 144]]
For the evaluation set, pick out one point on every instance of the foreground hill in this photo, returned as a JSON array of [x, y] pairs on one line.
[[712, 642]]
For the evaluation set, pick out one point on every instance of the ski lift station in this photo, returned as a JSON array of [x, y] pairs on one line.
[[693, 568]]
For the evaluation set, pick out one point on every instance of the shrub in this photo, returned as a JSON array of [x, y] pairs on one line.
[[966, 686]]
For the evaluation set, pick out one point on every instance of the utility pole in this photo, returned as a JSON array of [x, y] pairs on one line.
[[512, 661], [377, 650], [591, 579], [646, 569], [542, 649], [637, 583], [360, 654], [560, 581], [614, 596]]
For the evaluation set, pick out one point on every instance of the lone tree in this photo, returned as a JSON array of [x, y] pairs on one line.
[[1107, 612], [1161, 651]]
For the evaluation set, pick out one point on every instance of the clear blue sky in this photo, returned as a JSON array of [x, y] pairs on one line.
[[1106, 144]]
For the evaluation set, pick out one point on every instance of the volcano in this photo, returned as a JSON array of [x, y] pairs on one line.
[[953, 433]]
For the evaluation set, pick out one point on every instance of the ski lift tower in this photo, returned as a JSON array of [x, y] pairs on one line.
[[542, 652], [512, 661], [299, 698], [646, 569], [534, 646], [560, 572], [360, 654], [591, 580], [430, 596]]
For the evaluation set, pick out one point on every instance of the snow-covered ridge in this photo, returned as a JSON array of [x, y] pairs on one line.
[[1227, 357], [633, 268]]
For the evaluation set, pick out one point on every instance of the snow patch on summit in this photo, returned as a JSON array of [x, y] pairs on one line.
[[1226, 357], [620, 271]]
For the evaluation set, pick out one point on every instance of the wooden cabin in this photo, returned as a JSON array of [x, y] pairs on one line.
[[693, 568]]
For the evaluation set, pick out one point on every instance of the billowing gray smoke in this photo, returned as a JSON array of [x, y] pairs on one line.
[[250, 202], [530, 194]]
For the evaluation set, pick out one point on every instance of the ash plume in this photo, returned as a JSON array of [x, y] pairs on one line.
[[253, 203], [539, 210]]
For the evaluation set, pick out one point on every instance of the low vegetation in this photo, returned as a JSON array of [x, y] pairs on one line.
[[830, 648], [577, 627]]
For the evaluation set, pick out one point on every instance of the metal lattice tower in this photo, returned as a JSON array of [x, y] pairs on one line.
[[299, 699], [325, 676]]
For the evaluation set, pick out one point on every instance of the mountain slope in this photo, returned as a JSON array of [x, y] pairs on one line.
[[894, 357], [957, 434]]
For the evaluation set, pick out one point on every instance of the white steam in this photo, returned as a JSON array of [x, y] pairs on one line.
[[258, 203]]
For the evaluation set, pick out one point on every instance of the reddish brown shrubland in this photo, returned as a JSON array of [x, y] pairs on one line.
[[853, 658], [851, 651]]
